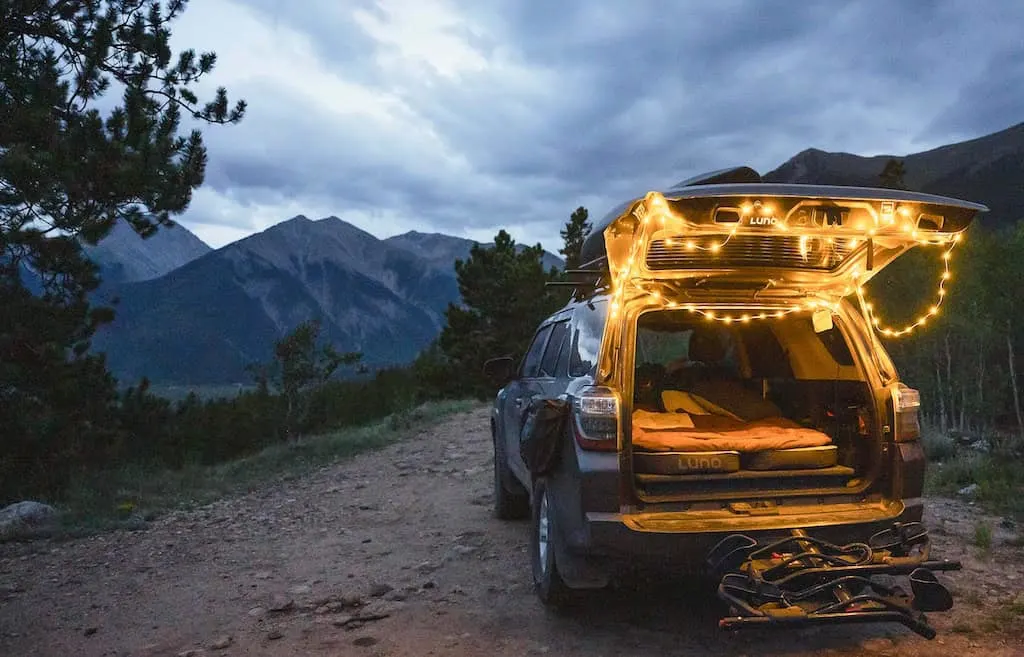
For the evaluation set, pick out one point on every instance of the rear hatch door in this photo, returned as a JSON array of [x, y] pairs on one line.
[[781, 239]]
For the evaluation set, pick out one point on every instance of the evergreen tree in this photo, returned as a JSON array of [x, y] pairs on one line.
[[68, 173], [300, 368], [504, 298], [893, 174], [575, 231]]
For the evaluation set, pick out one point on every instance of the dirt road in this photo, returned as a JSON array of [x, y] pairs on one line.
[[408, 532]]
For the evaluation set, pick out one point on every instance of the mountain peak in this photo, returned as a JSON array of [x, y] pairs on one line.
[[346, 228], [124, 256], [984, 169]]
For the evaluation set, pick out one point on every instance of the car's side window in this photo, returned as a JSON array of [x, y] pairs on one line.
[[562, 369], [586, 342], [531, 362], [550, 360]]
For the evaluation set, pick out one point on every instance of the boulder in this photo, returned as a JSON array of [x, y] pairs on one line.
[[23, 519]]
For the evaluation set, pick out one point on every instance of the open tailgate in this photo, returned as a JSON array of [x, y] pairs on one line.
[[819, 239]]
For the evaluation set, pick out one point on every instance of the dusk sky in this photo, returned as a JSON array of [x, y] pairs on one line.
[[465, 117]]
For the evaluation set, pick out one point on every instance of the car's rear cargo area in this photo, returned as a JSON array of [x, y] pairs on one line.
[[725, 411]]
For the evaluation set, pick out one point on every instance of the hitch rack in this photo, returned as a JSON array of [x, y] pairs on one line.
[[800, 580]]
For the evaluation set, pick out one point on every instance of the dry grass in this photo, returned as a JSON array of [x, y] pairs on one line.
[[129, 496]]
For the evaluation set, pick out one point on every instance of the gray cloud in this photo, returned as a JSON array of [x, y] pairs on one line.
[[513, 113], [987, 102]]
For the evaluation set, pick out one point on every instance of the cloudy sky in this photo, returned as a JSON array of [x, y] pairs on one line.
[[463, 117]]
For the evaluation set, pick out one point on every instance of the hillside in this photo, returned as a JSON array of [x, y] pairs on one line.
[[987, 170], [125, 257], [203, 323]]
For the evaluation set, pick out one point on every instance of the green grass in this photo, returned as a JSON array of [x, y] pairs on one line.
[[983, 536], [999, 473], [938, 446], [1004, 617], [128, 496]]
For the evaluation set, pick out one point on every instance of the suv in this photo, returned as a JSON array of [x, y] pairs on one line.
[[721, 375]]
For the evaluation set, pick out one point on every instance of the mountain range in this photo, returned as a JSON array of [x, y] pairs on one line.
[[192, 315], [987, 170], [207, 320]]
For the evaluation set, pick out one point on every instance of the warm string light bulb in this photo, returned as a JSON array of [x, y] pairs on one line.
[[932, 311]]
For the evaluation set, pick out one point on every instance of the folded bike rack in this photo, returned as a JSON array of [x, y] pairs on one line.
[[799, 580]]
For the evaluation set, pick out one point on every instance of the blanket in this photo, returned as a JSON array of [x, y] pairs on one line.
[[682, 432]]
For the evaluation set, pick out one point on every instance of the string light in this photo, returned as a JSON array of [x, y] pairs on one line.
[[744, 316], [933, 310], [654, 211]]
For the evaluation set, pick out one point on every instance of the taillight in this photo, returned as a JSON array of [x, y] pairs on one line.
[[596, 419], [906, 402]]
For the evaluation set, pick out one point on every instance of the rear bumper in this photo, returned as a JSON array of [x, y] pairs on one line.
[[680, 540]]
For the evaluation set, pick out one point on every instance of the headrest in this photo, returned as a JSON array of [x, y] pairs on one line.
[[706, 345]]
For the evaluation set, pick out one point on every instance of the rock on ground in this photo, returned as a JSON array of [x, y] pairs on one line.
[[23, 519]]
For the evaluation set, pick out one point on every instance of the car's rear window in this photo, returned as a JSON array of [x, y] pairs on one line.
[[677, 340], [589, 322]]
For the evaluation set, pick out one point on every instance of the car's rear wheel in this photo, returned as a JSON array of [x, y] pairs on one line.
[[511, 500], [548, 583]]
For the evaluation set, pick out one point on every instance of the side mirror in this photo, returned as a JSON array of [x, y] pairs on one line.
[[500, 370]]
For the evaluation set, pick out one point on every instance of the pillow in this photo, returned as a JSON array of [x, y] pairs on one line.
[[738, 400], [715, 409], [677, 401], [661, 421]]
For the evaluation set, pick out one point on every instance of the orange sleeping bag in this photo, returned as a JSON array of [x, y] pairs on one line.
[[683, 432]]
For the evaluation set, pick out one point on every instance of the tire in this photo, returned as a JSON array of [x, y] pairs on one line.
[[511, 500], [547, 582]]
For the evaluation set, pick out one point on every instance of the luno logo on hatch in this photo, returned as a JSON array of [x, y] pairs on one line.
[[763, 221]]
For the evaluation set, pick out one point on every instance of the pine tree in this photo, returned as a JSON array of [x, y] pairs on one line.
[[575, 231], [893, 174], [504, 298], [68, 173], [299, 368]]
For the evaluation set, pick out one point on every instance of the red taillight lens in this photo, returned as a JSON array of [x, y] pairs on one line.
[[906, 403], [596, 419]]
